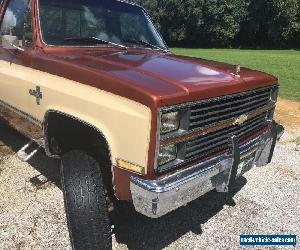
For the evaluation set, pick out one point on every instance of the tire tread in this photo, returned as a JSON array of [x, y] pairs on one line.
[[85, 202]]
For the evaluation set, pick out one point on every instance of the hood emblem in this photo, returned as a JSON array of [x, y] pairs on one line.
[[240, 120], [237, 72]]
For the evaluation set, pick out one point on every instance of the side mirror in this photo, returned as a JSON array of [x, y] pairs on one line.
[[11, 43]]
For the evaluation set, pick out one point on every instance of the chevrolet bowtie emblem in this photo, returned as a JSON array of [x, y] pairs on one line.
[[240, 120], [37, 94]]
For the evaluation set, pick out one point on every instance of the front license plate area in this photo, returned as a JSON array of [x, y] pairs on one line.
[[246, 164]]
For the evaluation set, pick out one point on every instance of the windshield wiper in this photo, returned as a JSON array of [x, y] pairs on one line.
[[145, 43], [95, 40]]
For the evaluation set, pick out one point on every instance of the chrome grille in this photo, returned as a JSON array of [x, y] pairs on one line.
[[207, 126], [217, 141], [223, 108]]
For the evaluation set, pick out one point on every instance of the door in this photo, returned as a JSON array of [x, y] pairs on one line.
[[16, 76], [13, 76]]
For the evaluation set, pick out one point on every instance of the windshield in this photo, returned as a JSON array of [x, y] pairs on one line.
[[96, 23]]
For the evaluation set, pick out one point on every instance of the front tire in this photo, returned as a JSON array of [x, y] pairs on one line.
[[85, 202]]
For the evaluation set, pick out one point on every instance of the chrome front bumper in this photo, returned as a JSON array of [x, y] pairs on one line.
[[155, 198]]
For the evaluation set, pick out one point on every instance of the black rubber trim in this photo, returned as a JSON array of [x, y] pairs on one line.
[[274, 134], [236, 155]]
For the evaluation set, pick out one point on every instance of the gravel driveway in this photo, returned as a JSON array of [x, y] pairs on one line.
[[266, 200]]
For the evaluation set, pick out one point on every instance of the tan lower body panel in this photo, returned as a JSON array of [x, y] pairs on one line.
[[23, 125]]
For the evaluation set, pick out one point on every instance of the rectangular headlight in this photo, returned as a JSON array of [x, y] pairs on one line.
[[169, 122], [167, 154]]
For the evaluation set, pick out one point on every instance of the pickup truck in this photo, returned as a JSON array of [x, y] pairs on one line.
[[93, 84]]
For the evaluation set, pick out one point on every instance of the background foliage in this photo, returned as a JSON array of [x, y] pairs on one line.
[[284, 64], [220, 23]]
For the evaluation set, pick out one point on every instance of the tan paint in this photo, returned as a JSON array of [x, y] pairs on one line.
[[124, 123]]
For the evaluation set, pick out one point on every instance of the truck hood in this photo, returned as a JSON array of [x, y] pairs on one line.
[[150, 76]]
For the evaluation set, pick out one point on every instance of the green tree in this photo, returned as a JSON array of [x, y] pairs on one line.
[[271, 23], [286, 23], [197, 22], [219, 23]]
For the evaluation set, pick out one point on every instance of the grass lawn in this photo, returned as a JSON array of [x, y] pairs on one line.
[[285, 64]]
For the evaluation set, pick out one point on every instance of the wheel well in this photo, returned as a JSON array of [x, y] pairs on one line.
[[64, 133]]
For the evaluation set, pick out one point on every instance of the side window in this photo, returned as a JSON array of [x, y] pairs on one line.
[[17, 21], [51, 21], [60, 23]]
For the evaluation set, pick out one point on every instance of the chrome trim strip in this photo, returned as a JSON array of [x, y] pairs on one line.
[[157, 147], [21, 113], [22, 122]]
